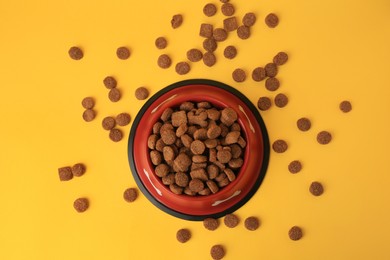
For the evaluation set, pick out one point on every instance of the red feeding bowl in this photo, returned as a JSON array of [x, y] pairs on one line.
[[227, 199]]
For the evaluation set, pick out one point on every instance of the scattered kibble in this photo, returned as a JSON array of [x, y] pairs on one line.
[[176, 21], [123, 53], [182, 68], [249, 19], [209, 59], [295, 233], [88, 103], [110, 82], [108, 123], [209, 10], [345, 106], [243, 32], [279, 146], [217, 252], [231, 220], [239, 75], [130, 195], [161, 43], [252, 223], [114, 95], [271, 20], [81, 205], [194, 55], [164, 61], [78, 169], [281, 100], [227, 9], [65, 173], [304, 124], [116, 135], [264, 103], [272, 84], [295, 166], [89, 115], [141, 93], [211, 223], [230, 52], [324, 137], [183, 235], [123, 119], [75, 53], [258, 74], [280, 58], [316, 188]]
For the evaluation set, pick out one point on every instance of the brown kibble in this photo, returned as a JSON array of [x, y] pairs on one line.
[[205, 192], [249, 19], [88, 103], [239, 75], [209, 59], [161, 43], [187, 106], [228, 116], [303, 124], [81, 204], [316, 188], [116, 135], [206, 30], [232, 137], [199, 158], [183, 235], [78, 169], [227, 9], [182, 162], [213, 132], [212, 171], [176, 189], [230, 174], [295, 233], [281, 100], [295, 166], [243, 32], [155, 157], [114, 95], [123, 53], [252, 223], [123, 119], [211, 223], [164, 61], [189, 192], [75, 53], [179, 118], [197, 147], [241, 141], [166, 115], [264, 103], [272, 84], [236, 151], [324, 137], [108, 123], [279, 146], [345, 106], [230, 52], [176, 21], [212, 186], [110, 82], [271, 20], [182, 179], [130, 194], [217, 252], [141, 93], [194, 55], [89, 115], [181, 130], [271, 69], [258, 74], [220, 34], [209, 10], [157, 127], [162, 169], [160, 145], [65, 173], [280, 58], [168, 179], [224, 156], [230, 24], [196, 185], [199, 173], [236, 163], [182, 68], [169, 153], [168, 137], [210, 45], [231, 220]]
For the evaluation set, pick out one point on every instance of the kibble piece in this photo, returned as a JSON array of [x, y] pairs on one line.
[[324, 137], [108, 123], [271, 69], [236, 151], [236, 163], [213, 132], [210, 44], [116, 135], [182, 179], [166, 115], [196, 166], [316, 188], [228, 116], [187, 106], [280, 58], [295, 166], [196, 185], [141, 93], [110, 82], [199, 174], [130, 194], [209, 10], [231, 220], [161, 43], [271, 20], [206, 191], [264, 103], [209, 59], [232, 137], [241, 141], [157, 127], [211, 223], [161, 170], [182, 162], [252, 223], [164, 61], [183, 235], [230, 174], [217, 252], [212, 186], [295, 233], [206, 30], [179, 118], [65, 173], [197, 147], [194, 55], [272, 84], [176, 189], [88, 103], [243, 32], [168, 179], [281, 100], [123, 119], [303, 124], [160, 145], [220, 34], [176, 21], [230, 24], [78, 169], [182, 68], [123, 53], [258, 74], [279, 146], [239, 75], [168, 137], [345, 106], [169, 153], [114, 95], [227, 9], [81, 204], [249, 19], [230, 52], [75, 53], [189, 192], [89, 115]]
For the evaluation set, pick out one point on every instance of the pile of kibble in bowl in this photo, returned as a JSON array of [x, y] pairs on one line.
[[197, 148]]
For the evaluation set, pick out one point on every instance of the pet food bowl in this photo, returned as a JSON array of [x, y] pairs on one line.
[[229, 198]]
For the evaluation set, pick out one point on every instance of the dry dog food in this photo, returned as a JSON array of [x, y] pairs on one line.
[[249, 19], [324, 137], [252, 223], [110, 82], [211, 223], [108, 123], [220, 34], [230, 24], [65, 173], [258, 74], [130, 194], [295, 233], [271, 20], [272, 84], [89, 115], [183, 235], [123, 119], [164, 61], [194, 55], [209, 10], [182, 68], [141, 93], [230, 52], [88, 103], [243, 32], [176, 21], [209, 59], [81, 204], [303, 124], [75, 53], [271, 69], [281, 100], [316, 188], [280, 58], [196, 148], [116, 135], [206, 30], [161, 43], [123, 53], [114, 95], [78, 169], [231, 220], [264, 103], [279, 146], [217, 252], [227, 9], [239, 75], [345, 106], [295, 166], [210, 45]]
